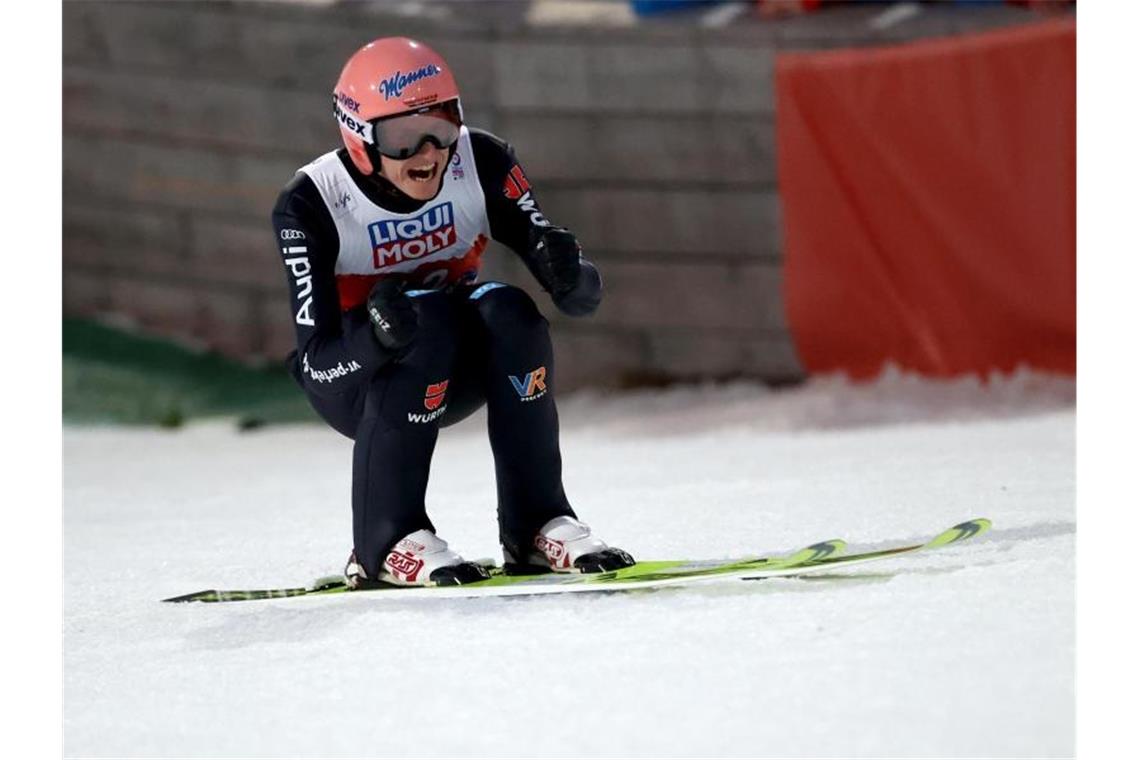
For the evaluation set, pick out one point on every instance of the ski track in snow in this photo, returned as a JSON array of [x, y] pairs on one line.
[[964, 652]]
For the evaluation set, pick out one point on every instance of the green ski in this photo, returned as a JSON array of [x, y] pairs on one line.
[[819, 557], [670, 569]]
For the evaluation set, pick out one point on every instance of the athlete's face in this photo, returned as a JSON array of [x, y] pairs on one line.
[[418, 176]]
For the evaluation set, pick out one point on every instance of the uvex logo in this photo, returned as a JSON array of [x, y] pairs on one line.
[[530, 386], [358, 128], [434, 396], [348, 102]]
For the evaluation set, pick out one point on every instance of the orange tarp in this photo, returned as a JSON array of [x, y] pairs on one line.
[[929, 203]]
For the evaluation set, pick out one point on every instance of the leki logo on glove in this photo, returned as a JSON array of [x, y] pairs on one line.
[[434, 396], [393, 86], [427, 233], [530, 386], [404, 566]]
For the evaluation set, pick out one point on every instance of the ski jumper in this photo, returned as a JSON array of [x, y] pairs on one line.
[[338, 233]]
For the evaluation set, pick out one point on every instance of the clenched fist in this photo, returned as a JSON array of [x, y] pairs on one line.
[[392, 313], [558, 257]]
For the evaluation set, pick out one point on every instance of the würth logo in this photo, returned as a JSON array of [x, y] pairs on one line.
[[517, 188], [434, 396], [516, 183], [530, 386]]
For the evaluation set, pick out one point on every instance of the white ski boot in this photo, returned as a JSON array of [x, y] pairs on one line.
[[418, 559], [566, 545]]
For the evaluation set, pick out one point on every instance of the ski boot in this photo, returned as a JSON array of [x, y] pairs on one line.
[[418, 559], [565, 545]]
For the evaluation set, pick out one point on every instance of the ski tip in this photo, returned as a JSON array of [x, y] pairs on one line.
[[324, 584], [213, 595], [209, 595], [962, 532]]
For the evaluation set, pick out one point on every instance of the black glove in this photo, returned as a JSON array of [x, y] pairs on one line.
[[558, 258], [393, 315]]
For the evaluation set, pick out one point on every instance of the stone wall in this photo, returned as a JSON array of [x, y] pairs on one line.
[[654, 143]]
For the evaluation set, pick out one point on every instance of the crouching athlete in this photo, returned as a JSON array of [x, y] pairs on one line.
[[381, 243]]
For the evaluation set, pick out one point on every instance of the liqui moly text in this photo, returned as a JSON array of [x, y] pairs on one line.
[[396, 241]]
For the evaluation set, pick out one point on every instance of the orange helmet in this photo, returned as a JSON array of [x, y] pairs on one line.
[[392, 77]]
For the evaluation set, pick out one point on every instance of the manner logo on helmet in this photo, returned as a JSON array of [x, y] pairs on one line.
[[393, 86], [396, 241]]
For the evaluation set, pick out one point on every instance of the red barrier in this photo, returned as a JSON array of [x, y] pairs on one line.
[[929, 203]]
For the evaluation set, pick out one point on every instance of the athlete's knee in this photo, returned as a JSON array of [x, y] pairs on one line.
[[436, 338], [508, 311], [435, 312]]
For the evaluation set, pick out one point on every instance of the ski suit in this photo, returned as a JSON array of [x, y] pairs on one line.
[[338, 232]]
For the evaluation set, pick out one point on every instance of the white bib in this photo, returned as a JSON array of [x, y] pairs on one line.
[[440, 244]]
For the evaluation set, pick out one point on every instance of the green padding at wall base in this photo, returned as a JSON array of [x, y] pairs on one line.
[[116, 376]]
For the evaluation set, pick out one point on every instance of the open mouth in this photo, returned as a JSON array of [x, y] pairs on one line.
[[423, 173]]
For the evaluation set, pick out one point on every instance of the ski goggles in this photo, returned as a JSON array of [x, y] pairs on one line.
[[401, 136]]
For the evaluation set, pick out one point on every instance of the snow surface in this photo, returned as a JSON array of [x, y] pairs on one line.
[[964, 652]]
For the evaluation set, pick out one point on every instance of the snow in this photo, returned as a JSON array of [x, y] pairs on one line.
[[964, 652]]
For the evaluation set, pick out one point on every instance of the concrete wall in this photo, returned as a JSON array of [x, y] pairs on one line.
[[653, 143]]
